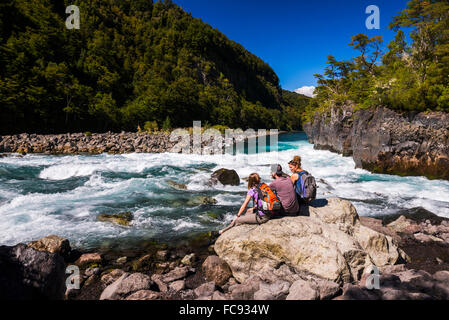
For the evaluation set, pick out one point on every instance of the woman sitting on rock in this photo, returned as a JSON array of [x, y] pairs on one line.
[[251, 216]]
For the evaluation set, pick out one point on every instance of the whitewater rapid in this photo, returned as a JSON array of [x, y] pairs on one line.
[[63, 195]]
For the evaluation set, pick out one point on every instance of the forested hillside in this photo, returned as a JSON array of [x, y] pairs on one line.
[[402, 76], [131, 61]]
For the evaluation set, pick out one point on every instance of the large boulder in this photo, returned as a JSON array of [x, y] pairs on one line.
[[52, 244], [28, 274], [225, 177], [330, 243]]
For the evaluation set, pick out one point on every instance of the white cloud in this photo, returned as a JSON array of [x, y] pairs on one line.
[[307, 91]]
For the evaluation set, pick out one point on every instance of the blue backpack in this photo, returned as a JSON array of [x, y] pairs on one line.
[[306, 186]]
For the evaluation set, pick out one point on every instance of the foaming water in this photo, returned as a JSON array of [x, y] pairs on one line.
[[42, 195]]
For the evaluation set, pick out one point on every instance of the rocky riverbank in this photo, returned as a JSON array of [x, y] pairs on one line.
[[384, 141], [75, 143], [114, 143], [326, 254]]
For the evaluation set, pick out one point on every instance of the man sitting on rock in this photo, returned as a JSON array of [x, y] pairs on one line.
[[285, 190]]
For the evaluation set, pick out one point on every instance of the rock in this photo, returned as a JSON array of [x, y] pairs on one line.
[[89, 258], [385, 141], [28, 274], [123, 219], [143, 295], [404, 225], [176, 274], [392, 269], [162, 255], [441, 290], [201, 200], [331, 244], [426, 238], [417, 281], [442, 276], [142, 262], [217, 270], [225, 177], [377, 225], [205, 290], [218, 296], [394, 294], [126, 285], [177, 185], [91, 280], [177, 285], [122, 260], [52, 244], [157, 279], [338, 212], [275, 291], [327, 289], [188, 259], [112, 276], [246, 290], [91, 271], [352, 292], [303, 290]]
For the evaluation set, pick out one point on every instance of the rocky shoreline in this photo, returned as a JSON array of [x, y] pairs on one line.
[[79, 143], [325, 254], [384, 141], [98, 143]]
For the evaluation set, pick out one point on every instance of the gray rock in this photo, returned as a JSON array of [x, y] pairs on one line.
[[28, 274], [217, 270], [157, 279], [327, 289], [112, 276], [176, 274], [303, 290], [205, 290], [218, 296], [352, 292], [442, 276], [385, 140], [188, 259], [177, 285], [144, 295], [126, 285], [418, 281], [225, 177], [246, 290], [52, 244], [275, 291]]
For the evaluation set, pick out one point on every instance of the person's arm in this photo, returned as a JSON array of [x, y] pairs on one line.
[[273, 187], [244, 205], [294, 178]]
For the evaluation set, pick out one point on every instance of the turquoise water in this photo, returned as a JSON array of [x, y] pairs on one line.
[[42, 195]]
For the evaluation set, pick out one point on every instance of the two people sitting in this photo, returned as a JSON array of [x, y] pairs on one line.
[[284, 195]]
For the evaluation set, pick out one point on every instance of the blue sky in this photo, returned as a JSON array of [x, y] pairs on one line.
[[294, 36]]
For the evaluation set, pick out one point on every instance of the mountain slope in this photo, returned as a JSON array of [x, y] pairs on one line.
[[130, 62]]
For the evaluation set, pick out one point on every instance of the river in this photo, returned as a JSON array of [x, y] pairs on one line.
[[42, 195]]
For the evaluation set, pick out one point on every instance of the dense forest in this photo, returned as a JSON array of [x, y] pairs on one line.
[[402, 76], [130, 63]]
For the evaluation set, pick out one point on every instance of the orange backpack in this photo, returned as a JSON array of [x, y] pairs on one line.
[[271, 205]]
